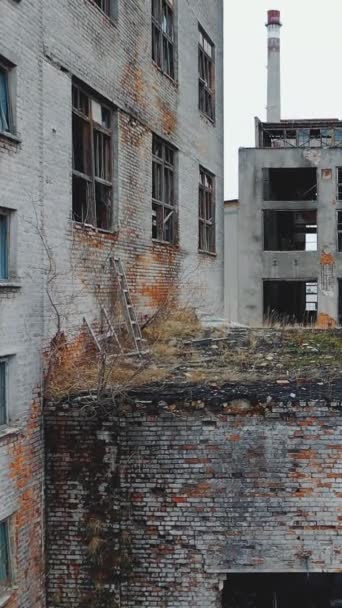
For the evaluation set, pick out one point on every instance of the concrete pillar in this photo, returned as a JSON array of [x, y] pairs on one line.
[[273, 68]]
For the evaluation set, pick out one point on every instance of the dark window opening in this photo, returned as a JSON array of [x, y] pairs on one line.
[[3, 394], [163, 191], [104, 5], [290, 184], [92, 188], [290, 302], [207, 225], [339, 183], [339, 231], [340, 302], [290, 230], [4, 223], [206, 71], [297, 590], [163, 37], [5, 573], [6, 122]]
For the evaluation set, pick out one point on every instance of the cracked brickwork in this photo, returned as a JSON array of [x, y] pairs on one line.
[[186, 489]]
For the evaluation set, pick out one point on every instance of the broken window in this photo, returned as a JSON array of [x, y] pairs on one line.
[[290, 302], [5, 570], [290, 184], [163, 191], [163, 37], [4, 225], [339, 183], [290, 590], [290, 230], [339, 231], [207, 240], [206, 71], [6, 122], [92, 188]]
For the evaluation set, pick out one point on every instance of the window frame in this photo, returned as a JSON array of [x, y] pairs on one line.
[[7, 582], [89, 157], [4, 213], [6, 68], [158, 58], [4, 417], [339, 230], [202, 83], [339, 184], [205, 223], [163, 204]]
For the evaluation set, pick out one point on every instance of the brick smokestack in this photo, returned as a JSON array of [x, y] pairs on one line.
[[273, 68]]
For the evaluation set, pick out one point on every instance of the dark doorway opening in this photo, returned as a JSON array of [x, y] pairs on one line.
[[290, 230], [290, 184], [290, 302], [299, 590]]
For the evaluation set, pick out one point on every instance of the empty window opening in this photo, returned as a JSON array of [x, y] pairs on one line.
[[207, 240], [290, 230], [163, 36], [163, 191], [92, 187], [301, 138], [206, 71], [290, 184], [290, 302], [339, 183], [339, 231], [4, 242], [297, 590]]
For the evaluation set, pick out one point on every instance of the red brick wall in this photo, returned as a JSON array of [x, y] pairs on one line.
[[162, 499]]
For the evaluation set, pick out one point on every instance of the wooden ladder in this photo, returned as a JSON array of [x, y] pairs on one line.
[[130, 313]]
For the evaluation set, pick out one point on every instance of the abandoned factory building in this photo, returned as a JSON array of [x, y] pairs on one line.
[[111, 150], [289, 217]]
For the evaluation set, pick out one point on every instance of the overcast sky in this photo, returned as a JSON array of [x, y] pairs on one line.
[[311, 54]]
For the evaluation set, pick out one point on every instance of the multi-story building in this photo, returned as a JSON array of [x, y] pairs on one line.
[[289, 216], [111, 123]]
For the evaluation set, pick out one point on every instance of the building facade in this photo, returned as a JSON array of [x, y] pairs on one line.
[[111, 122], [290, 212], [289, 247]]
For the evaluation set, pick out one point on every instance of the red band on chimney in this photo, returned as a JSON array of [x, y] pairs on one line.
[[273, 17]]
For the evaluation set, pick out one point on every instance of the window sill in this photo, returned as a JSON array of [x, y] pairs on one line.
[[173, 81], [91, 228], [207, 118], [14, 139], [6, 596], [164, 243], [9, 284], [7, 431], [213, 254]]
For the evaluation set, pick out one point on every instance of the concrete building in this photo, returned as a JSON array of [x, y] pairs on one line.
[[289, 251], [111, 144]]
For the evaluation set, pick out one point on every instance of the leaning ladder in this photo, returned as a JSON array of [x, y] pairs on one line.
[[110, 334], [128, 306]]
